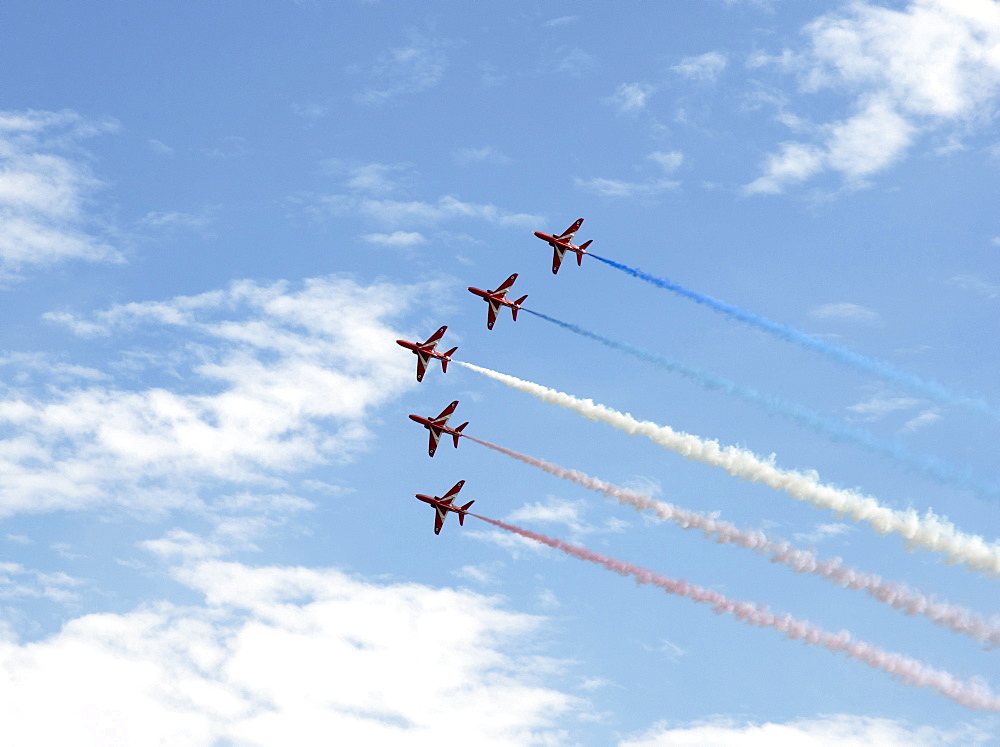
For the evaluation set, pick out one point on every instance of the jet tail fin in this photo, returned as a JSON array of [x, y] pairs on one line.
[[444, 361], [458, 432], [461, 516], [517, 305], [583, 248]]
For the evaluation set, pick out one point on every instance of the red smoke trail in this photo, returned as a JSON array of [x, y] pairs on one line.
[[898, 595], [970, 694]]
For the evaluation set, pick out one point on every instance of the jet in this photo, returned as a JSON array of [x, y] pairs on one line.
[[497, 298], [438, 426], [427, 350], [561, 243], [443, 505]]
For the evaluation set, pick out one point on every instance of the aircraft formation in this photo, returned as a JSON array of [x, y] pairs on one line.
[[928, 532], [427, 351]]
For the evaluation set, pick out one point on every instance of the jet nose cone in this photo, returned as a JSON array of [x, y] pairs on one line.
[[415, 418], [539, 234]]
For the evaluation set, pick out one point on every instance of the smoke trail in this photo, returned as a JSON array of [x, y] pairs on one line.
[[836, 430], [898, 595], [970, 694], [882, 369], [929, 532]]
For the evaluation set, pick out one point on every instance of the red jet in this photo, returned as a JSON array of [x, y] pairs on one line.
[[561, 243], [427, 350], [497, 298], [437, 426], [444, 504]]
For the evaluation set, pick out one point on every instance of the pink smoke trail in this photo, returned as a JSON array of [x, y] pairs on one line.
[[970, 694], [898, 595]]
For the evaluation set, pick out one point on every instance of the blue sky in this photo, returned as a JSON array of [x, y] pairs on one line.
[[216, 220]]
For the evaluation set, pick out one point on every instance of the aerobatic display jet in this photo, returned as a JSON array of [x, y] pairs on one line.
[[562, 243], [443, 505], [497, 298], [438, 426], [427, 350]]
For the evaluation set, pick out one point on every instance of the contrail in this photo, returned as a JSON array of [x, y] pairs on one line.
[[882, 369], [929, 532], [970, 694], [836, 430], [898, 595]]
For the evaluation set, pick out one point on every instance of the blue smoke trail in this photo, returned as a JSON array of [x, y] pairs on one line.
[[881, 369], [836, 430]]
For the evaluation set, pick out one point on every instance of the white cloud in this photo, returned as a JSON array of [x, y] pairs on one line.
[[573, 61], [178, 219], [706, 67], [230, 146], [850, 312], [560, 21], [976, 285], [486, 154], [375, 178], [878, 407], [620, 188], [566, 513], [822, 532], [277, 379], [45, 190], [917, 69], [392, 213], [409, 69], [285, 655], [18, 581], [815, 732], [668, 161], [396, 239], [927, 417], [160, 147], [631, 97]]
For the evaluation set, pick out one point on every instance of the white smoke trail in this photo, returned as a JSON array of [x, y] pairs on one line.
[[929, 532], [898, 595], [970, 694]]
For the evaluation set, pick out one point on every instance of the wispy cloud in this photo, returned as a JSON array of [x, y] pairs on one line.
[[668, 162], [45, 191], [835, 729], [412, 68], [631, 97], [486, 154], [976, 285], [393, 213], [278, 378], [877, 408], [927, 417], [396, 239], [704, 67], [850, 312], [822, 532]]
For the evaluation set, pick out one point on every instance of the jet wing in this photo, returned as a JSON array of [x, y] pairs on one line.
[[454, 491], [557, 257], [433, 339], [421, 365], [502, 290], [491, 313], [568, 234], [445, 414], [439, 514], [433, 443]]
